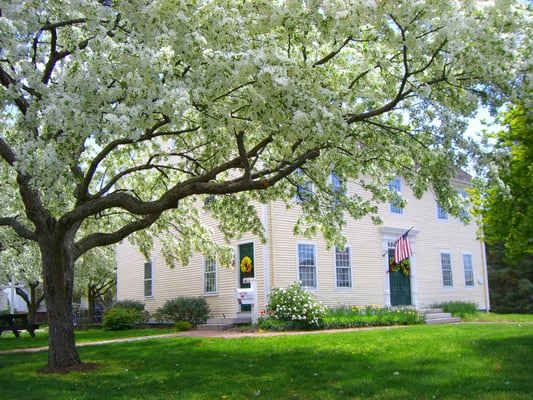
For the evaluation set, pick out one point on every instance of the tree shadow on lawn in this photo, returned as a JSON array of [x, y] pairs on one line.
[[289, 368]]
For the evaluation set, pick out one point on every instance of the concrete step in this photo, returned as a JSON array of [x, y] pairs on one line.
[[438, 316], [448, 320], [213, 327], [220, 324]]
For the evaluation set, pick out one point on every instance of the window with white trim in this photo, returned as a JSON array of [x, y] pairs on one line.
[[442, 214], [464, 213], [210, 275], [469, 270], [304, 190], [395, 206], [446, 266], [307, 265], [343, 268], [148, 279]]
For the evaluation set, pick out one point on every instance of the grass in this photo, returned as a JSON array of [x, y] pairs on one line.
[[8, 341], [465, 361], [492, 317]]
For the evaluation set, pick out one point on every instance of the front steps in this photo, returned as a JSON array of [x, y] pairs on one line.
[[438, 316], [222, 324]]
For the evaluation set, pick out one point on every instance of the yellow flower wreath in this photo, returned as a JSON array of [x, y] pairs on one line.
[[246, 265]]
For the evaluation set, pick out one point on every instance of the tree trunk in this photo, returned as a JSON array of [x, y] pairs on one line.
[[91, 294], [58, 272]]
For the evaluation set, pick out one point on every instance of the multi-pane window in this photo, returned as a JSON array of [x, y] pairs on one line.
[[442, 214], [337, 186], [307, 265], [304, 189], [343, 268], [336, 182], [395, 206], [148, 279], [446, 266], [469, 270], [210, 275], [464, 214]]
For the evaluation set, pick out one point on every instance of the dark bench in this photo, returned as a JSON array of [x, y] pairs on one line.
[[16, 323]]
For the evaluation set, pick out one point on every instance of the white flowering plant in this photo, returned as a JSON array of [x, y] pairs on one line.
[[295, 306]]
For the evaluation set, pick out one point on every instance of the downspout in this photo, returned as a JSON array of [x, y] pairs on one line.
[[485, 274]]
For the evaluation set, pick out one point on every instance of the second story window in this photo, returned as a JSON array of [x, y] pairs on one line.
[[337, 186], [396, 186], [304, 189], [442, 214]]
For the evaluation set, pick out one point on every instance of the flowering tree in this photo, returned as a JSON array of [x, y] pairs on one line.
[[116, 120], [20, 263]]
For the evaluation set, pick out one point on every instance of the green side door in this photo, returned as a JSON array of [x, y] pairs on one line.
[[246, 250]]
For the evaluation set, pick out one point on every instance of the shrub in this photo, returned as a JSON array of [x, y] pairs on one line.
[[463, 309], [120, 319], [136, 304], [190, 309], [355, 316], [183, 326], [296, 305]]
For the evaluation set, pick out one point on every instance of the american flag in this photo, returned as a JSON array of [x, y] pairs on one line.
[[402, 248]]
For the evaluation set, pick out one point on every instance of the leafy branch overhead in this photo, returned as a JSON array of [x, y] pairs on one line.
[[212, 100]]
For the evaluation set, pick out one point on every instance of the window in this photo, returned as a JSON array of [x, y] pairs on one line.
[[337, 187], [210, 275], [396, 186], [209, 199], [307, 265], [148, 279], [343, 268], [469, 270], [304, 190], [442, 214], [336, 182], [464, 214], [446, 265]]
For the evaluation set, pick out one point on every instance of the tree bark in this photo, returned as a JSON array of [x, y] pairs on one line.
[[58, 271], [91, 294]]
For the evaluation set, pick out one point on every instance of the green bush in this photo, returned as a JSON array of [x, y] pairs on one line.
[[190, 309], [355, 316], [120, 319], [138, 305], [182, 326], [463, 309], [296, 306]]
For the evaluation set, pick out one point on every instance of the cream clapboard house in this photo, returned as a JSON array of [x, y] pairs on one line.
[[448, 262]]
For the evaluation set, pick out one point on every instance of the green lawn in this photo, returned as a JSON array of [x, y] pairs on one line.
[[8, 341], [464, 361]]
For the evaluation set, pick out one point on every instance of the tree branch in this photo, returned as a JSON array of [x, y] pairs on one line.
[[20, 229], [333, 53], [105, 239]]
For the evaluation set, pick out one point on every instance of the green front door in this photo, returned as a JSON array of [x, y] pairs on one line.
[[400, 287], [246, 268]]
